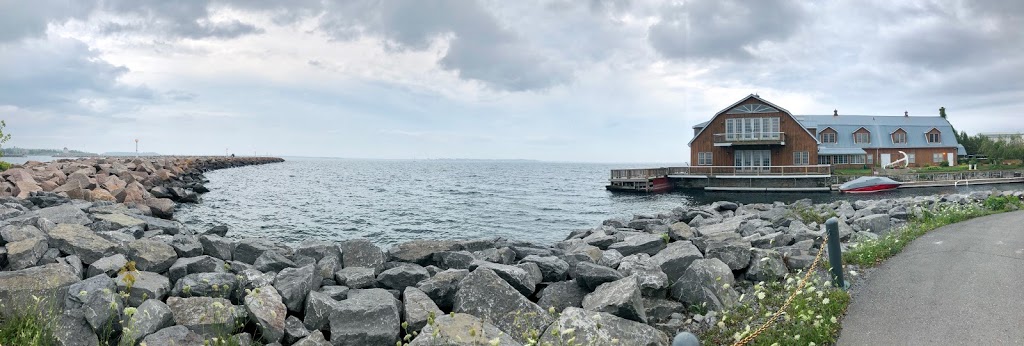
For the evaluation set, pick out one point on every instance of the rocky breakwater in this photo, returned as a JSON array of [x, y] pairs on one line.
[[110, 274], [151, 185]]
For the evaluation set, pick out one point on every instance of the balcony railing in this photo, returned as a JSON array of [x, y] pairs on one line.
[[648, 173], [750, 138]]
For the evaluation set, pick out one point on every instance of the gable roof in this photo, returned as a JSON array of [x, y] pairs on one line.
[[751, 96], [915, 127]]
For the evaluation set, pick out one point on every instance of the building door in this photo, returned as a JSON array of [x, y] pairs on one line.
[[949, 158], [885, 160]]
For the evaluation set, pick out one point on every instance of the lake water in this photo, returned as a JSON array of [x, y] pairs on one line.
[[395, 201]]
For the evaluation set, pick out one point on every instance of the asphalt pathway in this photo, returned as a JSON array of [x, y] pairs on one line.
[[962, 284]]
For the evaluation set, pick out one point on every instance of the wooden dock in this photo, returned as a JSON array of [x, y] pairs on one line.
[[723, 178]]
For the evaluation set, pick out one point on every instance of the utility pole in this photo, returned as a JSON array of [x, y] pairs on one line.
[[136, 147]]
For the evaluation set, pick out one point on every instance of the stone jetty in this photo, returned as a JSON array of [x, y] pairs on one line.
[[115, 270]]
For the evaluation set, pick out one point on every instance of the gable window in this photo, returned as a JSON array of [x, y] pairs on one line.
[[899, 137], [862, 137], [738, 129], [801, 158], [828, 137], [704, 158], [934, 137]]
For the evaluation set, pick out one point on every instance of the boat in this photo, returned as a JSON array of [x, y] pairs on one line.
[[648, 185], [869, 184]]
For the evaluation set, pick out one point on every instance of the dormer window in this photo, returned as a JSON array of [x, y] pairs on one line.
[[828, 135], [934, 137], [862, 136], [899, 137]]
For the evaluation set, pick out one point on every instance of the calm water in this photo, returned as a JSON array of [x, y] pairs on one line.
[[395, 201]]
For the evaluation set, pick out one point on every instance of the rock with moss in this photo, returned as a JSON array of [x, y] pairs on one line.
[[25, 253], [417, 308], [598, 328], [217, 285], [35, 287], [460, 329], [207, 316]]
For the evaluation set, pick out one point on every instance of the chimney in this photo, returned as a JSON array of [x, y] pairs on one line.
[[906, 114], [835, 112]]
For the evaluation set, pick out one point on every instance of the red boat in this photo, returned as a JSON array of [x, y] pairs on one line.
[[869, 184], [652, 185]]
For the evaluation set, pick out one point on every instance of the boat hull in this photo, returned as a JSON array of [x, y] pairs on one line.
[[873, 188], [655, 185], [869, 184]]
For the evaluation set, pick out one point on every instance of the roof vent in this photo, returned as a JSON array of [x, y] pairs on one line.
[[906, 114], [835, 112]]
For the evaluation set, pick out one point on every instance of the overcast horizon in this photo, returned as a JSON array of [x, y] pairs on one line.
[[579, 81]]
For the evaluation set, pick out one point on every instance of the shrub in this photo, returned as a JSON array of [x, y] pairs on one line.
[[4, 166]]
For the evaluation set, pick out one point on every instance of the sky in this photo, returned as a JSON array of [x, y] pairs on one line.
[[558, 80]]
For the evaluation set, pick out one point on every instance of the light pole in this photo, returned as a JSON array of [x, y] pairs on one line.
[[136, 147]]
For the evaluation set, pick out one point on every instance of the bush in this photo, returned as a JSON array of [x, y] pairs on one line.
[[4, 166]]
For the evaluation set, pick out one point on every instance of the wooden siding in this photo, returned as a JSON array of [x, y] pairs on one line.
[[797, 139]]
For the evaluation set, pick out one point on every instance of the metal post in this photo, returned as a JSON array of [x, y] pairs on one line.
[[835, 254]]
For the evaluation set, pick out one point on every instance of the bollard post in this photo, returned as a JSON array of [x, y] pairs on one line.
[[835, 253]]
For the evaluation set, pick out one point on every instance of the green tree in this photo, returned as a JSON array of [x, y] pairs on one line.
[[4, 137]]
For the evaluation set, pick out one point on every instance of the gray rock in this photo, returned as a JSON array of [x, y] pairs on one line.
[[47, 282], [402, 276], [648, 274], [362, 253], [552, 268], [642, 223], [217, 247], [799, 261], [706, 281], [294, 330], [186, 245], [520, 279], [589, 275], [766, 265], [66, 213], [770, 240], [731, 225], [78, 240], [420, 251], [327, 266], [145, 286], [315, 338], [561, 295], [533, 270], [152, 316], [724, 205], [367, 317], [441, 288], [248, 250], [661, 309], [173, 336], [217, 285], [97, 299], [335, 292], [71, 329], [219, 230], [12, 233], [294, 284], [462, 330], [598, 328], [680, 231], [272, 261], [641, 243], [620, 298], [120, 220], [502, 256], [454, 259], [610, 259], [74, 262], [734, 252], [151, 255], [206, 316], [266, 309], [157, 224], [878, 224], [356, 277], [418, 308], [107, 265], [483, 293], [192, 265], [25, 253], [318, 250], [675, 258], [318, 309]]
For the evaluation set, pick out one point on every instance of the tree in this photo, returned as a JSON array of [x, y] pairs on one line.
[[3, 137], [942, 112]]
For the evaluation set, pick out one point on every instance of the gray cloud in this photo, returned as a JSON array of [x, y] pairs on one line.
[[186, 19], [21, 19], [726, 29], [64, 75], [479, 47]]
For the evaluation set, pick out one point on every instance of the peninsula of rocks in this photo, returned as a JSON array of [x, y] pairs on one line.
[[93, 244]]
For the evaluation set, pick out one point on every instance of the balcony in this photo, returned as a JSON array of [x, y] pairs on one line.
[[749, 138]]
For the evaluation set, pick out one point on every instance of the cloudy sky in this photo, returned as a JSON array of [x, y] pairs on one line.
[[567, 80]]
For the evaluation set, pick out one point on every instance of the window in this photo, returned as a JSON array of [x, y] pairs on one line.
[[871, 159], [752, 129], [704, 158], [858, 159], [933, 137], [862, 137], [911, 158], [938, 157], [899, 137], [828, 137], [753, 158], [801, 158]]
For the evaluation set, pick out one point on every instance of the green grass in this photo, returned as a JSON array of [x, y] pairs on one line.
[[28, 326], [853, 171], [812, 214]]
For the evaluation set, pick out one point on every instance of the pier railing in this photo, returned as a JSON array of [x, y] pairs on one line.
[[750, 138], [648, 173]]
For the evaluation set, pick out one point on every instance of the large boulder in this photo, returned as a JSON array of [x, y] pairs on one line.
[[108, 266], [367, 317], [150, 317], [680, 231], [192, 265], [78, 240], [729, 225], [483, 293], [877, 223], [66, 213], [675, 258], [98, 301], [318, 309], [25, 253], [362, 253], [552, 268], [120, 220], [206, 316], [71, 329], [561, 295], [173, 336], [766, 265], [599, 328], [641, 243], [420, 251], [295, 283], [218, 285], [355, 277], [462, 330], [706, 281], [441, 287], [266, 309], [272, 261], [248, 250], [151, 255], [400, 277], [48, 282], [519, 278], [732, 250], [418, 309], [589, 275], [217, 246], [648, 274], [143, 285], [620, 298]]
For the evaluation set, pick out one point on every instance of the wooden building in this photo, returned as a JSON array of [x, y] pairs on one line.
[[754, 135]]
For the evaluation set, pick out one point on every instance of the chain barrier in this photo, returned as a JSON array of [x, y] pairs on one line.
[[800, 286]]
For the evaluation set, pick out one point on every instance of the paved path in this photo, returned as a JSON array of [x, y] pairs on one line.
[[961, 284]]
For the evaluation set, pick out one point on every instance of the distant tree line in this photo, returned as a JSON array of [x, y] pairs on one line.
[[994, 150], [43, 152]]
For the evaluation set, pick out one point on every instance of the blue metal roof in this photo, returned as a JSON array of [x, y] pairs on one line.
[[840, 151], [881, 127]]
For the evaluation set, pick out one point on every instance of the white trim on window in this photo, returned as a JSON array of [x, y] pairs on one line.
[[704, 158]]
